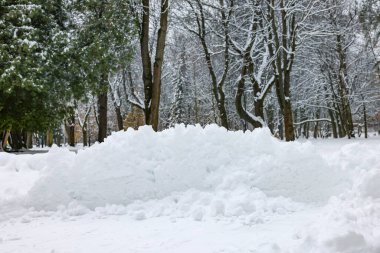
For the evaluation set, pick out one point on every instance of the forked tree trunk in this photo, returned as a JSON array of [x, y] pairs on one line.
[[152, 83]]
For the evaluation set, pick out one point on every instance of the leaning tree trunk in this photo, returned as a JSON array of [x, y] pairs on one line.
[[243, 114]]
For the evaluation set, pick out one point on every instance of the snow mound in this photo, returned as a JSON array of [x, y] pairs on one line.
[[350, 222], [143, 165]]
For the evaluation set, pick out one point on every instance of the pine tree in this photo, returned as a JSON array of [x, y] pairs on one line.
[[103, 44], [28, 92], [180, 108]]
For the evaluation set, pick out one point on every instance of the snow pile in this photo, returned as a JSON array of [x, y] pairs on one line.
[[318, 197], [350, 222], [211, 170], [18, 174]]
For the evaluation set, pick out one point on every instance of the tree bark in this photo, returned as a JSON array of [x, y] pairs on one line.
[[49, 138], [84, 133], [365, 121], [333, 124], [102, 108], [5, 138], [288, 122], [283, 41], [70, 130], [240, 92], [146, 61], [343, 90], [157, 67], [29, 140], [217, 86]]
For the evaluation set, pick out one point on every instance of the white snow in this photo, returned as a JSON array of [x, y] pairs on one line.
[[194, 190]]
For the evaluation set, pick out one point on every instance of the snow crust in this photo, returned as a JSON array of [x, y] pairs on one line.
[[208, 175]]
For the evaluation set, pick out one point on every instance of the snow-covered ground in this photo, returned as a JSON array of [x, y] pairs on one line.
[[194, 190]]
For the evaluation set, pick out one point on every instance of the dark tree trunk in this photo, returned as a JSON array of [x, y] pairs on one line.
[[146, 61], [119, 118], [270, 117], [49, 138], [343, 90], [282, 36], [365, 122], [217, 86], [84, 134], [333, 124], [117, 105], [29, 140], [288, 121], [17, 140], [70, 129], [102, 115], [157, 67]]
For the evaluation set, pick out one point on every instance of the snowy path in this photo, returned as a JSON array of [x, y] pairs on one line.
[[91, 233]]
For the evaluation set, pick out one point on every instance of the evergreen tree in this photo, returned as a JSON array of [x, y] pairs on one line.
[[180, 108], [30, 35], [103, 44]]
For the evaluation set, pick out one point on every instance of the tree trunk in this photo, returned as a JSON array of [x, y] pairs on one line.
[[49, 138], [157, 67], [333, 124], [217, 86], [288, 121], [102, 109], [243, 114], [365, 122], [29, 140], [152, 83], [119, 118], [102, 115], [343, 90], [146, 61], [222, 108], [84, 134], [5, 139], [17, 140], [70, 130]]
